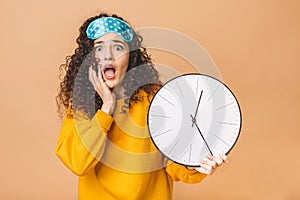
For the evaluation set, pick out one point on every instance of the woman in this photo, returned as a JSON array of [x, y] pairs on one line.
[[108, 85]]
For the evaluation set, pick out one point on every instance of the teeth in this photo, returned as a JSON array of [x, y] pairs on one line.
[[109, 67]]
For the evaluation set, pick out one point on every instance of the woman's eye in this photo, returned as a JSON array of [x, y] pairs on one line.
[[99, 48], [118, 48]]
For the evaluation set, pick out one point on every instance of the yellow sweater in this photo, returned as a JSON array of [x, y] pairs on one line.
[[115, 159]]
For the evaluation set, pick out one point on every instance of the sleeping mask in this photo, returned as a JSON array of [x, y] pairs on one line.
[[103, 25]]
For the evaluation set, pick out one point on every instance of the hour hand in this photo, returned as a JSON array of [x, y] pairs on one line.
[[197, 107]]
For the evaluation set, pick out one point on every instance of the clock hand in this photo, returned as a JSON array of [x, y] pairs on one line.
[[194, 122], [197, 107]]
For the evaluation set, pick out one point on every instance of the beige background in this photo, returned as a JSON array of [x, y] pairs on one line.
[[255, 44]]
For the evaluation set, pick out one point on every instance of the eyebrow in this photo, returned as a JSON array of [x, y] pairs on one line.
[[116, 41], [119, 41]]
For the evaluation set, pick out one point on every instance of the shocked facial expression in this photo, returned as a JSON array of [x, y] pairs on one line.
[[113, 55]]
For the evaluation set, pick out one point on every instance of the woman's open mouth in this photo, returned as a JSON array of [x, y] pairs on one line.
[[109, 71]]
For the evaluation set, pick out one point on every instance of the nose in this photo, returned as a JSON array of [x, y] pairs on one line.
[[108, 54]]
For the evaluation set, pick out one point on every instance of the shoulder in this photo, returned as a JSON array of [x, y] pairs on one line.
[[148, 91], [141, 98], [144, 95]]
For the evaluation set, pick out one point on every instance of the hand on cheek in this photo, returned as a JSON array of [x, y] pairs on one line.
[[103, 91]]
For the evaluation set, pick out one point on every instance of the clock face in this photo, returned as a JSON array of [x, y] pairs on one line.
[[192, 116]]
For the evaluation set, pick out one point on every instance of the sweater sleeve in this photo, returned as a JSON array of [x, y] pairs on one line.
[[81, 141], [181, 173]]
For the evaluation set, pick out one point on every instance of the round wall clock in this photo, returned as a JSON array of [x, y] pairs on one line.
[[192, 116]]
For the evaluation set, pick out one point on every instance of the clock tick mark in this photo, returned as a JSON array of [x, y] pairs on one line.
[[221, 140], [227, 123], [160, 116], [174, 146], [162, 133], [166, 100], [213, 93], [224, 106], [179, 89]]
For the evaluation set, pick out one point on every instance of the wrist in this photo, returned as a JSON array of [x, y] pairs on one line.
[[107, 108]]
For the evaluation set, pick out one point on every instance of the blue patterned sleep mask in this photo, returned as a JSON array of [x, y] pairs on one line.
[[103, 25]]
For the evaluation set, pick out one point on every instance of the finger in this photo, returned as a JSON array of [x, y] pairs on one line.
[[100, 71], [225, 158], [218, 160], [211, 161], [210, 166], [95, 79], [100, 81], [213, 164], [99, 75], [210, 157], [206, 165], [202, 170], [205, 171]]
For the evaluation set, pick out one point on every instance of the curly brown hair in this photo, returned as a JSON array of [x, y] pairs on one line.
[[77, 92]]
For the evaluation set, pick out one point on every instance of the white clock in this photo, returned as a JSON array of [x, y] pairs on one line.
[[192, 116]]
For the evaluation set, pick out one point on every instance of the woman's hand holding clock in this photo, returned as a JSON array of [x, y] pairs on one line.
[[211, 163], [107, 96]]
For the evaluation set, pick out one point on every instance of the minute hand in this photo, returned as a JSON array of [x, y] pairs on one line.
[[194, 121], [197, 107]]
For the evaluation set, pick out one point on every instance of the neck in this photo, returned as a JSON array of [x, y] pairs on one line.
[[119, 92]]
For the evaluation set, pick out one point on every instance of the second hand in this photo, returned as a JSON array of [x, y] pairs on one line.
[[194, 122]]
